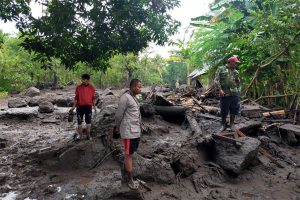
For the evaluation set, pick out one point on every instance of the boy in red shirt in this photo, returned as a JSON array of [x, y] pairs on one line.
[[84, 101]]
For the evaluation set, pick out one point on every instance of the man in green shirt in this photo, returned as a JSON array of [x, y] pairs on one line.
[[228, 83]]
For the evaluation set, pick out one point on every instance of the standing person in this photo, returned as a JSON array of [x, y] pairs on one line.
[[128, 123], [227, 80], [84, 101]]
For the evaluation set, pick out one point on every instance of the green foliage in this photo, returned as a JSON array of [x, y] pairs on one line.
[[256, 31], [125, 67], [13, 9], [92, 31], [175, 71], [16, 68]]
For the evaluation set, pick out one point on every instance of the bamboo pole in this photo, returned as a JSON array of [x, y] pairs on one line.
[[274, 96]]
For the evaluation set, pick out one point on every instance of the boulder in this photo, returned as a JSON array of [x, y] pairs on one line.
[[110, 100], [17, 102], [234, 159], [83, 155], [31, 92], [65, 101], [154, 169], [292, 132], [35, 101], [46, 107], [24, 113], [107, 92], [251, 111]]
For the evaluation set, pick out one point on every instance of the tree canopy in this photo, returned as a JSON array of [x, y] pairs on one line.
[[91, 31]]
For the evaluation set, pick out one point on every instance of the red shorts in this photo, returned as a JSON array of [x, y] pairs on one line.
[[131, 145]]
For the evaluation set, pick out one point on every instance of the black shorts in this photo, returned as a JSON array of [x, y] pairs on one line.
[[85, 111], [230, 104], [131, 145]]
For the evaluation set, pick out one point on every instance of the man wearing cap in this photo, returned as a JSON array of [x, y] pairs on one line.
[[228, 83]]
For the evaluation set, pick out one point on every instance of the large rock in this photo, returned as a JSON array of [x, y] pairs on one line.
[[24, 113], [46, 107], [31, 92], [251, 111], [234, 159], [35, 101], [292, 132], [65, 101], [17, 103], [155, 169], [83, 155]]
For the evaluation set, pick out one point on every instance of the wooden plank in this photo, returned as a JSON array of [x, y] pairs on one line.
[[209, 116], [274, 113], [227, 139]]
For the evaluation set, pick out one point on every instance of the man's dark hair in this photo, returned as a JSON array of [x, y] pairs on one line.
[[85, 77], [133, 82]]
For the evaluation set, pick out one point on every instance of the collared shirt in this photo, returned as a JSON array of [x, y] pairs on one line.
[[128, 116], [228, 80], [85, 95]]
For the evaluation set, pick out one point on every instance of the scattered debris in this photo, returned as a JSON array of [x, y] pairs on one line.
[[182, 154]]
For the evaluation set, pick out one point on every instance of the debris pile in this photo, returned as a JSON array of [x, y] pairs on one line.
[[182, 154]]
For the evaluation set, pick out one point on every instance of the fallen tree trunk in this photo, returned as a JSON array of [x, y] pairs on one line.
[[228, 139], [196, 130], [174, 114], [274, 113], [209, 109]]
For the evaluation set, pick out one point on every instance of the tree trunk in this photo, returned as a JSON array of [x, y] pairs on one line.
[[55, 81]]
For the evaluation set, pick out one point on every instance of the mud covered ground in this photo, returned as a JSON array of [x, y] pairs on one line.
[[39, 160]]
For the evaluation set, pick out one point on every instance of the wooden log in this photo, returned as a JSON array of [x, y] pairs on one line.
[[273, 96], [265, 128], [209, 109], [270, 157], [278, 120], [228, 139], [209, 116], [295, 116], [176, 110], [274, 113], [293, 102], [196, 130], [174, 114]]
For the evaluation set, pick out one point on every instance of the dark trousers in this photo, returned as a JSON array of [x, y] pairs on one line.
[[230, 104]]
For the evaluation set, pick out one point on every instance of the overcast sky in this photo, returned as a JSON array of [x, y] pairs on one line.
[[187, 10]]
